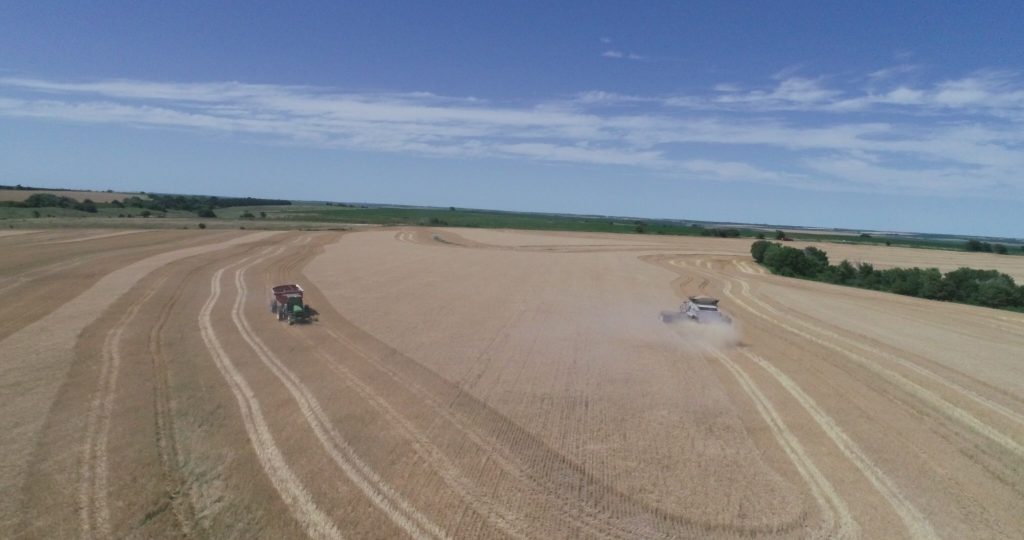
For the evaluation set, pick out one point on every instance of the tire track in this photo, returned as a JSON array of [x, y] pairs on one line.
[[481, 502], [94, 237], [615, 515], [916, 523], [175, 484], [295, 496], [913, 366], [587, 505], [594, 521], [831, 504], [587, 519], [923, 394], [94, 514], [387, 500], [19, 280]]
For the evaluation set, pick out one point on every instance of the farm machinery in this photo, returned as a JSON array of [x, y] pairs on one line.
[[287, 305], [699, 309]]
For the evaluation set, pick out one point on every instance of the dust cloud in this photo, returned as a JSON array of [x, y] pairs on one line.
[[700, 336]]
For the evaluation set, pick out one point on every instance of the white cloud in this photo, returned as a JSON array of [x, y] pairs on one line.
[[953, 137], [612, 53], [793, 91], [893, 72]]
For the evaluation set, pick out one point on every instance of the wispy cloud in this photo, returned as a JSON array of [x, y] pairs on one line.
[[616, 54], [953, 137], [987, 92], [893, 71]]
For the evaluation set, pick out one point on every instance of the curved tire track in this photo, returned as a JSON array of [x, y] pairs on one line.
[[295, 496], [94, 516], [831, 504], [915, 522], [390, 502], [923, 394]]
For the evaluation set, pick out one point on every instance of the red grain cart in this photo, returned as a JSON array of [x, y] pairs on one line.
[[287, 304]]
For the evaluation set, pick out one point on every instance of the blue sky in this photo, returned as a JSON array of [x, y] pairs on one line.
[[876, 115]]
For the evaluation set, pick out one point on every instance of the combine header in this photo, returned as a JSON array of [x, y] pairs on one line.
[[287, 304]]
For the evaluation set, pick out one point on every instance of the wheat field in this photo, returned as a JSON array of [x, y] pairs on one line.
[[489, 384]]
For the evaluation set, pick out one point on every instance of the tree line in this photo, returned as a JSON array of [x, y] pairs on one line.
[[989, 288], [202, 205], [197, 203], [985, 247], [49, 200]]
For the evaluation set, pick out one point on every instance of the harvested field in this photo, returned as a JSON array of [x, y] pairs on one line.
[[95, 196], [889, 257], [490, 384]]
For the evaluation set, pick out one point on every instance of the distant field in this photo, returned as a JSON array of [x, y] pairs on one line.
[[489, 219], [899, 257], [320, 215], [96, 196], [479, 219]]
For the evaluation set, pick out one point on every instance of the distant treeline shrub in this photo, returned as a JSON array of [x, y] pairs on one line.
[[201, 204], [978, 245], [721, 233], [988, 288], [49, 200], [195, 203]]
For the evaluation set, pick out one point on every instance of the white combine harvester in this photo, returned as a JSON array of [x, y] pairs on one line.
[[699, 309]]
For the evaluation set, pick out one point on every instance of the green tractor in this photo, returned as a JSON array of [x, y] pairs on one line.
[[288, 305]]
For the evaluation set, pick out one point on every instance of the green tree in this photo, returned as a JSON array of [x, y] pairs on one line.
[[866, 276], [931, 284], [997, 292], [999, 248], [48, 200], [86, 206], [847, 272], [758, 248], [787, 261], [817, 259]]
